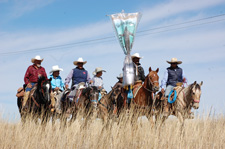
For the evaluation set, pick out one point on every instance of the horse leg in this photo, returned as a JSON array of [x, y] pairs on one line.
[[181, 119]]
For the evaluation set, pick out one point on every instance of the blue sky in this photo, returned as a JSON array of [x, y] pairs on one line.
[[26, 25]]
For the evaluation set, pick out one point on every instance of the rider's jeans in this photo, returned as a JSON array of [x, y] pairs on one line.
[[29, 89], [169, 88]]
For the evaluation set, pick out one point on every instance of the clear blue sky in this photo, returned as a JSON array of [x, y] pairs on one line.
[[26, 25]]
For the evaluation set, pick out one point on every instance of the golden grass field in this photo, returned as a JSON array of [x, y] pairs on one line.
[[198, 133]]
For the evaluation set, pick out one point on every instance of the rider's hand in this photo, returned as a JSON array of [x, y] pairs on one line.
[[91, 81], [162, 90], [66, 86], [29, 85]]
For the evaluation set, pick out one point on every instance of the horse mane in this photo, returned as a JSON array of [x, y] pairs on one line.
[[42, 78], [196, 85], [87, 90]]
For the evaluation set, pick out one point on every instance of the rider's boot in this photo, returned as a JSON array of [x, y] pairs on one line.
[[165, 107], [25, 98], [52, 102]]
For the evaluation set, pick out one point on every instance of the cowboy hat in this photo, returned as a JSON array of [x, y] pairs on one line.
[[56, 68], [98, 69], [80, 60], [37, 57], [136, 55], [174, 60], [120, 76]]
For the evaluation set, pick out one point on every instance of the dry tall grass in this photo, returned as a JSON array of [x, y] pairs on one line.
[[198, 133]]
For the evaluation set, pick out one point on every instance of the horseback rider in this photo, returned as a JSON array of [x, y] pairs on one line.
[[173, 76], [118, 85], [139, 71], [78, 75], [57, 85], [98, 81], [31, 78], [120, 81]]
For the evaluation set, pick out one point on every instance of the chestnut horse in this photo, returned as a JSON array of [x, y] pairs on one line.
[[143, 95]]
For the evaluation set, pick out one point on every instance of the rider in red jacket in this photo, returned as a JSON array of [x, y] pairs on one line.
[[31, 78]]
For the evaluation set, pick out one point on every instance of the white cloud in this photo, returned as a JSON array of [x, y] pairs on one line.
[[21, 7], [176, 7]]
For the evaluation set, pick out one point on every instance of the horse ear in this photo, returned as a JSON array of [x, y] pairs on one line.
[[157, 70], [194, 82], [150, 69], [201, 83]]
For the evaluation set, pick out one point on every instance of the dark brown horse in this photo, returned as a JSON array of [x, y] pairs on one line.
[[143, 95], [39, 102]]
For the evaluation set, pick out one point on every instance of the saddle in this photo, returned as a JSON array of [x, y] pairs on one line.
[[20, 92], [177, 88]]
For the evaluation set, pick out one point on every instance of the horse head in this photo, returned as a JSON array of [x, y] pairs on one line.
[[115, 93], [152, 80], [44, 89], [195, 93], [92, 93]]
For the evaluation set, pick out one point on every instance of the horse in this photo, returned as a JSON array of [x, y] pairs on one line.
[[83, 103], [144, 94], [187, 98], [39, 102], [106, 104]]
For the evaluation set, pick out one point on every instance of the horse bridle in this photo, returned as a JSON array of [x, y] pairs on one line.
[[151, 83]]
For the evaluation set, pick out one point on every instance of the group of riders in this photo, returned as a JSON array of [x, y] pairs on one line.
[[80, 77]]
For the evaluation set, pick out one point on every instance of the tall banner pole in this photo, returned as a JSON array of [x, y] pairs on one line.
[[125, 25]]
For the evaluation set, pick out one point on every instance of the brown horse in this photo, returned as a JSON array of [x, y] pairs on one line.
[[143, 95], [105, 106], [186, 99]]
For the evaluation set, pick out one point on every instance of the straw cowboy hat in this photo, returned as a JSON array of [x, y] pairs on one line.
[[174, 60], [120, 76], [136, 55], [56, 68], [37, 57], [98, 69], [80, 60]]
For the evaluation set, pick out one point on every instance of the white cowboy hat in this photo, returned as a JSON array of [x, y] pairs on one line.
[[136, 55], [98, 69], [56, 68], [37, 57], [80, 60], [120, 76], [174, 60]]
